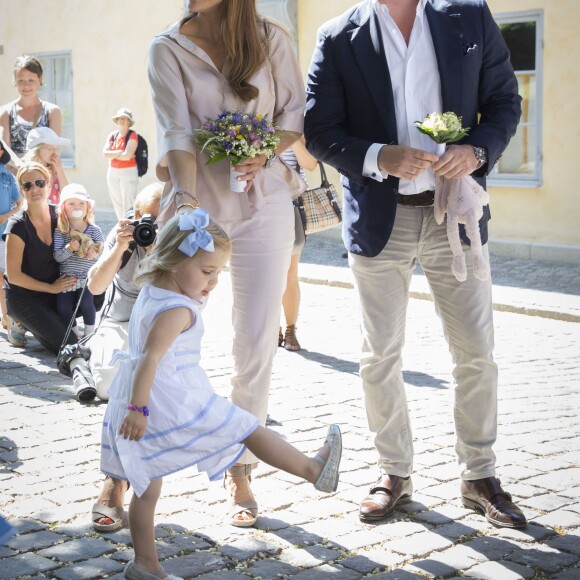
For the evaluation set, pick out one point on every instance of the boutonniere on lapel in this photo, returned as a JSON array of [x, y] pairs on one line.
[[461, 199], [470, 49]]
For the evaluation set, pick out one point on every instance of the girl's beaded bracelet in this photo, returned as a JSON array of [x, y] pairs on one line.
[[144, 409]]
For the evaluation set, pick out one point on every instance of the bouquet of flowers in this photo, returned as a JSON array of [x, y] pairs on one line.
[[235, 135], [442, 127]]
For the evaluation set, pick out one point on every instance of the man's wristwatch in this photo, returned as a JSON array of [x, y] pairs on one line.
[[270, 161], [481, 155]]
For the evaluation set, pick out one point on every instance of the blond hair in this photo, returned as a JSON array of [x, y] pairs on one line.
[[147, 199], [33, 166], [166, 255], [242, 31]]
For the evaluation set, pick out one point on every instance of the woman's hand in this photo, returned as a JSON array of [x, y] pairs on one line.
[[133, 426], [63, 284], [250, 168]]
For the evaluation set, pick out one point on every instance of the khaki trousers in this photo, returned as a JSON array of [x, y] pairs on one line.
[[465, 309]]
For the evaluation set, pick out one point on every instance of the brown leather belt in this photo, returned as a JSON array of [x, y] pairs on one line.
[[423, 199]]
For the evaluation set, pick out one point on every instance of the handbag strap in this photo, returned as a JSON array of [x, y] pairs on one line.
[[323, 179]]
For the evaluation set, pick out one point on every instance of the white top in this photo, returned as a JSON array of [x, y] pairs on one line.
[[416, 91]]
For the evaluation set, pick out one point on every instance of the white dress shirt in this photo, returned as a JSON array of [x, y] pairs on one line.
[[416, 91]]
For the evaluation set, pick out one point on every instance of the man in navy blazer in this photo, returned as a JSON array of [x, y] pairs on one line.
[[376, 69]]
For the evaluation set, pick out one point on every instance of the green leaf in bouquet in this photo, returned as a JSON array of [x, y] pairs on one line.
[[216, 158]]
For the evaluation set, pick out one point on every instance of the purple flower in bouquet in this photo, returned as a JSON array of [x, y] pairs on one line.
[[235, 135]]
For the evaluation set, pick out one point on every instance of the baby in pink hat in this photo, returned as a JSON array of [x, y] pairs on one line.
[[78, 242]]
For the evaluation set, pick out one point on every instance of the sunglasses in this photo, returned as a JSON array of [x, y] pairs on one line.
[[27, 185]]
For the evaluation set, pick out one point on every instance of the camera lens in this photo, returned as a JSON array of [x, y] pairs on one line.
[[144, 233]]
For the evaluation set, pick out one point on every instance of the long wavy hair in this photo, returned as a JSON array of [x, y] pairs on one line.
[[243, 32]]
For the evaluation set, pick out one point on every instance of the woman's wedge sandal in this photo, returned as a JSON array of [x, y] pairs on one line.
[[249, 507], [328, 479], [104, 512]]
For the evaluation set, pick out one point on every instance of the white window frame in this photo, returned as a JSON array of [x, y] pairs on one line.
[[48, 92], [516, 179]]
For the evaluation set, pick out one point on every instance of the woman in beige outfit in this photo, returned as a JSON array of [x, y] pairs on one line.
[[224, 56]]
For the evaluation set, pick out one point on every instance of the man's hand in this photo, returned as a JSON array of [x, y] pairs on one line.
[[124, 234], [405, 162], [457, 162]]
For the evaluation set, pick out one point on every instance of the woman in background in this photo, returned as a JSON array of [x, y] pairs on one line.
[[299, 159], [19, 117], [32, 278], [122, 175]]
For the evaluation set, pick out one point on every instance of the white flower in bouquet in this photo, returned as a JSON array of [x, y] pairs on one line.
[[442, 127]]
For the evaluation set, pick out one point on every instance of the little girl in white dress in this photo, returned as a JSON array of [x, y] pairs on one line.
[[163, 415]]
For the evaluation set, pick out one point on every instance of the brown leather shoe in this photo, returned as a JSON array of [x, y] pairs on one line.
[[487, 497], [389, 491]]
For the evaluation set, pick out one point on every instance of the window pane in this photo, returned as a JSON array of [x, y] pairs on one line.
[[521, 158], [57, 89], [283, 11], [520, 38]]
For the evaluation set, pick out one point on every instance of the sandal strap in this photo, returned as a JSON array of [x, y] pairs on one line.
[[320, 459], [244, 469]]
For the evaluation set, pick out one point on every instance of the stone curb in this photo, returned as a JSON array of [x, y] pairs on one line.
[[554, 306]]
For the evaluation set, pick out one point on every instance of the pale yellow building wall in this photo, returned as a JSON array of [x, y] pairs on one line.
[[548, 213]]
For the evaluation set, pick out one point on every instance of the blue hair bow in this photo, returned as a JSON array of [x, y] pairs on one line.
[[195, 221]]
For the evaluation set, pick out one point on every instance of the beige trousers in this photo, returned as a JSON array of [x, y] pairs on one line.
[[465, 309], [123, 185], [259, 262]]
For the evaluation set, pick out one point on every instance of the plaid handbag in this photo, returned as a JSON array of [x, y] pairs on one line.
[[319, 207]]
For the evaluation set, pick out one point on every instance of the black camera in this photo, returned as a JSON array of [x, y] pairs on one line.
[[145, 230], [73, 361]]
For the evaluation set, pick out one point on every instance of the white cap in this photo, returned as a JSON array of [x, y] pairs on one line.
[[124, 112], [75, 191], [44, 136]]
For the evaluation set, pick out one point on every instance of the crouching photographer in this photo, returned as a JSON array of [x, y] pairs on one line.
[[126, 245]]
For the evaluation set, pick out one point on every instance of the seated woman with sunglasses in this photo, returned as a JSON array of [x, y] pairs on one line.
[[32, 278]]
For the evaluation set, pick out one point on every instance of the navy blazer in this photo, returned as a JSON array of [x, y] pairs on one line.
[[350, 104]]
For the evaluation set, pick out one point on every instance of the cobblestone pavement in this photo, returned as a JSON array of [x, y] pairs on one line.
[[49, 459]]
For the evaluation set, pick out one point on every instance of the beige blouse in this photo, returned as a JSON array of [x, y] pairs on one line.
[[187, 89]]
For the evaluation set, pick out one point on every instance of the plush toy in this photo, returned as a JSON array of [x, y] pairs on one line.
[[85, 243], [462, 200]]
